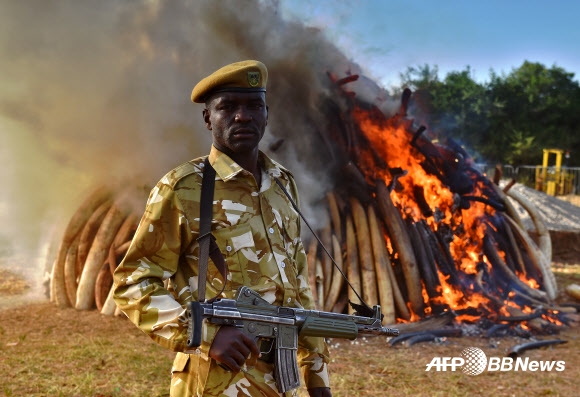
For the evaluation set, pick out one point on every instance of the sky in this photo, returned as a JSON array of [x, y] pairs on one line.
[[386, 37]]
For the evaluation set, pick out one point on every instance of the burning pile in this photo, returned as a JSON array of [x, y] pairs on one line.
[[411, 222]]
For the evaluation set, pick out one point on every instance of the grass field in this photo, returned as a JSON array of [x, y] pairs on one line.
[[45, 351]]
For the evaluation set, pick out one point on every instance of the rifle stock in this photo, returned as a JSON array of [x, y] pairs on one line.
[[259, 319]]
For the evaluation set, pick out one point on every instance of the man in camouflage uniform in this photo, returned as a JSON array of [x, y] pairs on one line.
[[257, 231]]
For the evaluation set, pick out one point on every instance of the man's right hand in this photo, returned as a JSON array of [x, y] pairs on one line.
[[232, 347]]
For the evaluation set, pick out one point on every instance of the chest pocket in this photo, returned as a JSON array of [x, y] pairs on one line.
[[290, 233], [239, 250]]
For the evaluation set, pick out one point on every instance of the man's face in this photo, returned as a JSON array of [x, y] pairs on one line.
[[237, 120]]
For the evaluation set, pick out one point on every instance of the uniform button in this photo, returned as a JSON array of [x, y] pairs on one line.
[[283, 264], [271, 230], [289, 300], [229, 248]]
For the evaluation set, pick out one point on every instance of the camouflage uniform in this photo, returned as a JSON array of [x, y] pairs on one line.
[[258, 233]]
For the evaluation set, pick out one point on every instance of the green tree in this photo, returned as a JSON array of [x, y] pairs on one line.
[[533, 108], [461, 107], [521, 149], [508, 120], [417, 78]]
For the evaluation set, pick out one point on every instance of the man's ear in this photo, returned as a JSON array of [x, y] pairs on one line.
[[206, 119]]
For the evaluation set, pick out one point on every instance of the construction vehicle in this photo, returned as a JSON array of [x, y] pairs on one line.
[[554, 180]]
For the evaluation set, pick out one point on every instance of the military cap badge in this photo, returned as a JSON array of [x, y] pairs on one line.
[[253, 78]]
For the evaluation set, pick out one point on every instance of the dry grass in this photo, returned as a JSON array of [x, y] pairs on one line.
[[12, 284], [45, 351], [371, 368]]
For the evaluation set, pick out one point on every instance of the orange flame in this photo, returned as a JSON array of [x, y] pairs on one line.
[[529, 281], [552, 320], [393, 150]]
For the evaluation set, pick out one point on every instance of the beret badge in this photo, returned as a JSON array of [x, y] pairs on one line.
[[253, 79]]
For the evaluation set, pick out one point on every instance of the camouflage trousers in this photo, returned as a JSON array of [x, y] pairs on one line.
[[192, 376]]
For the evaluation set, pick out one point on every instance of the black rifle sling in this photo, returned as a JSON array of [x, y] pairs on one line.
[[207, 245]]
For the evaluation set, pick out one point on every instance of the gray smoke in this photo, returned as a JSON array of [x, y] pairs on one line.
[[99, 92]]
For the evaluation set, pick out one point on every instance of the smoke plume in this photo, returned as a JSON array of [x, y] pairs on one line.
[[99, 92]]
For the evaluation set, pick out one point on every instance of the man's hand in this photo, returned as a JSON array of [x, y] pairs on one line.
[[232, 347], [320, 392]]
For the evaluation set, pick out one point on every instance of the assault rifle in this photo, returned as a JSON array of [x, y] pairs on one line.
[[259, 319]]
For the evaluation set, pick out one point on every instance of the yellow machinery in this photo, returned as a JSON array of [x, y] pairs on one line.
[[555, 179]]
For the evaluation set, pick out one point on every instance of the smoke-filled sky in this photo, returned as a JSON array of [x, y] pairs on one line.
[[386, 37], [97, 92]]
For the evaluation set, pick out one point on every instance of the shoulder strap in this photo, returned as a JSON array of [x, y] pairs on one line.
[[207, 245]]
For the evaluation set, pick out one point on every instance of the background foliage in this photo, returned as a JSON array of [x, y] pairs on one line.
[[507, 120]]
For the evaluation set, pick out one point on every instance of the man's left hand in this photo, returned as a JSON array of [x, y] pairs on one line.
[[320, 392]]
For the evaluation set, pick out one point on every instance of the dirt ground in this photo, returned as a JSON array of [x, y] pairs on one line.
[[46, 351]]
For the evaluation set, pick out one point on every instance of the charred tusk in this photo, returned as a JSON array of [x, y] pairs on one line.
[[352, 265], [492, 255], [519, 260], [516, 350], [549, 284], [382, 267], [334, 215], [337, 280], [439, 333], [402, 245], [365, 253]]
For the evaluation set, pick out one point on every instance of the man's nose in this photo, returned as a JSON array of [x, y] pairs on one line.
[[243, 115]]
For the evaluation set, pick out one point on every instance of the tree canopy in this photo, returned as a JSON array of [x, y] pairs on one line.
[[507, 120]]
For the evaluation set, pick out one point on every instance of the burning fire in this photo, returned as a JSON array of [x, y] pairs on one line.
[[393, 144], [441, 241], [465, 214]]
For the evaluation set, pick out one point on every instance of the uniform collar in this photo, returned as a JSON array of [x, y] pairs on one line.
[[226, 168]]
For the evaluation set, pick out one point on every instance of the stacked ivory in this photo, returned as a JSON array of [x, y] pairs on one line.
[[388, 258], [367, 240], [94, 242]]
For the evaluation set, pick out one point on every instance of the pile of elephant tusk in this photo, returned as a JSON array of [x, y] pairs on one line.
[[420, 254], [94, 242]]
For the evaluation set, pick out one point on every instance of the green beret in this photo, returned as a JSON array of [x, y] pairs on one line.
[[239, 76]]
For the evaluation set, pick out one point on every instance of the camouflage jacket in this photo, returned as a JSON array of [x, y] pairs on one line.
[[258, 233]]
